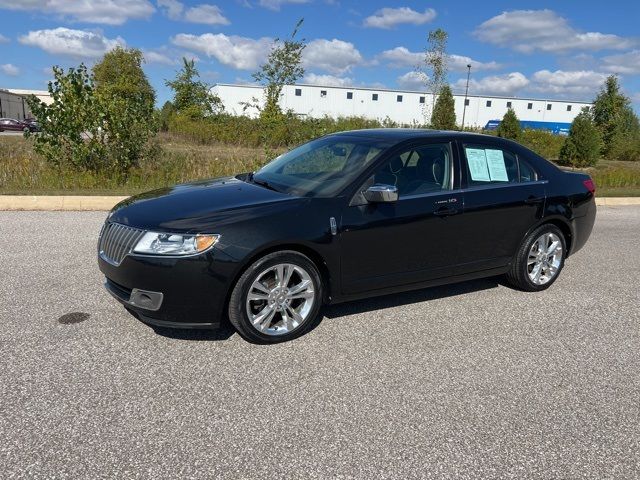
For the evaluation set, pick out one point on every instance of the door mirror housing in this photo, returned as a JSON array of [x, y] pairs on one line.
[[380, 193]]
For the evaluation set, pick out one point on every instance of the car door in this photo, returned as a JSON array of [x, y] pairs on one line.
[[503, 198], [413, 239]]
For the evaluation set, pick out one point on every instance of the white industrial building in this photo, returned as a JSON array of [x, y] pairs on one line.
[[402, 106], [13, 102]]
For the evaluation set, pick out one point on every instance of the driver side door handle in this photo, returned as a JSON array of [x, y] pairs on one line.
[[445, 211]]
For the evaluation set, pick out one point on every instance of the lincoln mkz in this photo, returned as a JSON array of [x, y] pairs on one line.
[[343, 217]]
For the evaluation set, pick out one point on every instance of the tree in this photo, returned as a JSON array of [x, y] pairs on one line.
[[126, 100], [435, 63], [283, 67], [164, 116], [509, 126], [614, 117], [89, 129], [71, 124], [192, 97], [582, 146], [119, 75], [444, 113]]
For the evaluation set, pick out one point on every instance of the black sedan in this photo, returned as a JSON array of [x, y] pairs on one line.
[[347, 216]]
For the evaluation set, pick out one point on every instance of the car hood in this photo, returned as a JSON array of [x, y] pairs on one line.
[[196, 207]]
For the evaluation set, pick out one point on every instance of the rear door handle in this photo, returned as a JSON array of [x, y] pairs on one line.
[[444, 211], [531, 200]]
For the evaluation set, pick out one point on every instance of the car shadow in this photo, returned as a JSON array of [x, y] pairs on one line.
[[331, 312], [407, 298]]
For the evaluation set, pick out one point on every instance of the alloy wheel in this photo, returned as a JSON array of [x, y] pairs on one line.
[[280, 299], [545, 258]]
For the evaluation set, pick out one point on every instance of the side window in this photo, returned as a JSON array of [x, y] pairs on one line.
[[527, 173], [486, 165], [418, 170]]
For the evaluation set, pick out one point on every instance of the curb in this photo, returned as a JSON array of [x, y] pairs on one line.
[[91, 203], [58, 202]]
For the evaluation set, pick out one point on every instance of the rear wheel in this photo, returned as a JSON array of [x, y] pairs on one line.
[[277, 298], [539, 260]]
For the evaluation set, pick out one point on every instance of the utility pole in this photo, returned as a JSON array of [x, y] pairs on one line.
[[466, 92]]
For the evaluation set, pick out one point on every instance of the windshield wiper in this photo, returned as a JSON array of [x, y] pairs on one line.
[[262, 183]]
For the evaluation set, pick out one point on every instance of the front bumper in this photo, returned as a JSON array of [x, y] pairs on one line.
[[188, 292]]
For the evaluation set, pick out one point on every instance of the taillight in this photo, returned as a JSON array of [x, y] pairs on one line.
[[590, 185]]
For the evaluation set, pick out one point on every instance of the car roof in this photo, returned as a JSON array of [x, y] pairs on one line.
[[401, 134]]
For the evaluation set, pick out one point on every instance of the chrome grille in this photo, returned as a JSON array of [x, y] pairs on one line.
[[117, 241]]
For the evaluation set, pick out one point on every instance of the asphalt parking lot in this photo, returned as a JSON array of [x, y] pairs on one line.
[[468, 381]]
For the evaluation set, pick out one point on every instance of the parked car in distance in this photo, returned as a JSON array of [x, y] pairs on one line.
[[347, 216], [13, 125]]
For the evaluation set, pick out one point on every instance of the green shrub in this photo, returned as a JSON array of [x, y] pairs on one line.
[[444, 113], [543, 142], [509, 126], [582, 146]]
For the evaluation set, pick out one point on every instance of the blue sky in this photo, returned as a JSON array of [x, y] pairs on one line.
[[538, 49]]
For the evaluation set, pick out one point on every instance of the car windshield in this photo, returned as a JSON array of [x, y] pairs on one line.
[[320, 168]]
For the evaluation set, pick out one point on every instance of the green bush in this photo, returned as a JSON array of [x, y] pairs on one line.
[[582, 146], [543, 142], [276, 131], [509, 126]]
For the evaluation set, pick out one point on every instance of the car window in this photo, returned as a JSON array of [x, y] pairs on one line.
[[527, 173], [418, 170], [487, 165], [322, 167], [328, 159]]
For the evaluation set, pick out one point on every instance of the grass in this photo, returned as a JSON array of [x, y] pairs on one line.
[[23, 172]]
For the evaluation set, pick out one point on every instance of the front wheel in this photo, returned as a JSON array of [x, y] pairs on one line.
[[277, 298], [539, 260]]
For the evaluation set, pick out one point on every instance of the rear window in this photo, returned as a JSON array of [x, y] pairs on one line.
[[488, 165]]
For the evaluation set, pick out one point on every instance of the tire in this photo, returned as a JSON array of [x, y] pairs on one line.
[[280, 309], [530, 255]]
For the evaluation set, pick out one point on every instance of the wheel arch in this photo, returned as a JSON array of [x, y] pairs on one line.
[[309, 252], [559, 222]]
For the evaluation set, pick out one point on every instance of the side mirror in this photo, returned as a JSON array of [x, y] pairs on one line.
[[381, 194]]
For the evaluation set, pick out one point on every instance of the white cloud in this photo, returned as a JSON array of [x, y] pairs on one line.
[[506, 84], [581, 82], [203, 13], [238, 52], [10, 70], [171, 8], [329, 80], [277, 4], [412, 81], [391, 17], [207, 14], [4, 39], [73, 43], [529, 30], [110, 12], [334, 56], [625, 63], [161, 58], [403, 57]]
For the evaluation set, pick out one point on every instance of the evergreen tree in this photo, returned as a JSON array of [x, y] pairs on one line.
[[444, 113], [582, 146], [510, 126], [614, 117], [191, 96]]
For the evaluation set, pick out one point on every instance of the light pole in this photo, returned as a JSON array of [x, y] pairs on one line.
[[466, 92]]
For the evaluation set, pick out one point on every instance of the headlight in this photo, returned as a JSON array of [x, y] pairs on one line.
[[154, 243]]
